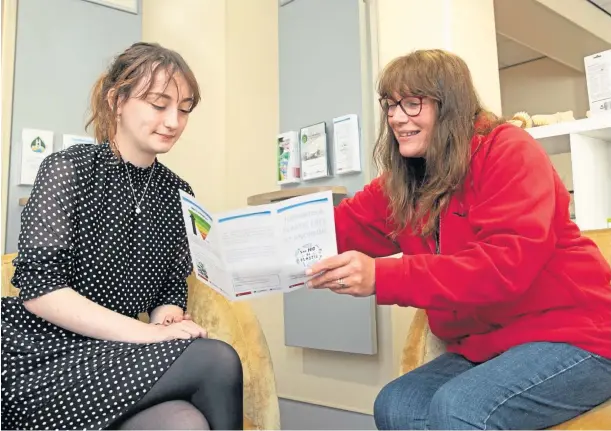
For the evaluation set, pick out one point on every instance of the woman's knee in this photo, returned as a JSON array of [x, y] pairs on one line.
[[384, 407], [400, 405], [171, 415], [454, 408], [188, 417], [219, 357]]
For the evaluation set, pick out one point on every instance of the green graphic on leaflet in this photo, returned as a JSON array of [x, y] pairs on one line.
[[199, 225]]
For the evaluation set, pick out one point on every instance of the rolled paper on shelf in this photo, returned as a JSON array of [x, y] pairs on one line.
[[522, 120], [558, 117]]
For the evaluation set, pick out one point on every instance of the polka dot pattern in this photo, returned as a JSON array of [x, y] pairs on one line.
[[80, 229]]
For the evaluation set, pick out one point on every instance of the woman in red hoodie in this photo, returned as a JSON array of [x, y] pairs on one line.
[[522, 300]]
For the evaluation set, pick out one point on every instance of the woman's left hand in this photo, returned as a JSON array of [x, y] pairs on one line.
[[351, 273], [168, 314]]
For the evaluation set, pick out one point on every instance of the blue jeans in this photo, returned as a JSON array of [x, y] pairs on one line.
[[531, 386]]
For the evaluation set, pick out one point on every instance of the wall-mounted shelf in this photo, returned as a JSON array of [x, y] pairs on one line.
[[597, 127], [589, 142], [555, 138], [280, 195]]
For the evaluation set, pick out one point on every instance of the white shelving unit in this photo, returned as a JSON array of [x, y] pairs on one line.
[[589, 142]]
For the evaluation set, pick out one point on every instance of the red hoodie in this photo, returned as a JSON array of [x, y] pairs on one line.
[[512, 267]]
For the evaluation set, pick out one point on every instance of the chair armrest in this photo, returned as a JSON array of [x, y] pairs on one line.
[[236, 324], [415, 343], [8, 270], [421, 345]]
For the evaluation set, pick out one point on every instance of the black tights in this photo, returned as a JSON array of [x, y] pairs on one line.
[[202, 387]]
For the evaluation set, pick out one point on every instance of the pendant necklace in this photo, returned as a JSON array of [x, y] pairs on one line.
[[138, 203]]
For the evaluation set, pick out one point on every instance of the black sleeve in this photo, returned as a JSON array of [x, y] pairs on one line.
[[44, 258], [175, 289]]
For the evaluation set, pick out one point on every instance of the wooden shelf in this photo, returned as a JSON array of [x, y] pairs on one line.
[[280, 195], [275, 196]]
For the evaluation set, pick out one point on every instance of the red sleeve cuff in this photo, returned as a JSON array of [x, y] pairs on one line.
[[390, 286]]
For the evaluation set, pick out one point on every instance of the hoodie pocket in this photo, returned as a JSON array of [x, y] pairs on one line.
[[452, 324]]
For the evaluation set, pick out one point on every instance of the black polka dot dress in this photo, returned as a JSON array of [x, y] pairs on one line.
[[81, 229]]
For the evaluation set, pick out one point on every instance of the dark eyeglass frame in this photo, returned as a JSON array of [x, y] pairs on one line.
[[399, 104]]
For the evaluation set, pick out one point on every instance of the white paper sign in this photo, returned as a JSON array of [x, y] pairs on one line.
[[70, 140], [259, 250], [35, 146], [346, 144]]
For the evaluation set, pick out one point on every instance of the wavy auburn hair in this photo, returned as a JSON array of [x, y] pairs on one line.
[[139, 63], [445, 78]]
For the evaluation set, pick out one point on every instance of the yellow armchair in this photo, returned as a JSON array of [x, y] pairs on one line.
[[422, 346], [236, 324]]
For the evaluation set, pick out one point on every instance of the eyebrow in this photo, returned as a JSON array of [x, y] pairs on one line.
[[165, 96]]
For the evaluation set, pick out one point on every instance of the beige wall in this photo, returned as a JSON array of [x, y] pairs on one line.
[[454, 30], [251, 98], [196, 29], [232, 47], [9, 29], [543, 87]]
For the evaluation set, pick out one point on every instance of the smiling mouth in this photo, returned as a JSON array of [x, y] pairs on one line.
[[407, 134], [165, 136]]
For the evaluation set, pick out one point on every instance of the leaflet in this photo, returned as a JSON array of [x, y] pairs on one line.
[[262, 249]]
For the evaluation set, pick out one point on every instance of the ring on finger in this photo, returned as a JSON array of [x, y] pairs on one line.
[[341, 283]]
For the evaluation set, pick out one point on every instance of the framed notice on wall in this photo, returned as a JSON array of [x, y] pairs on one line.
[[124, 5]]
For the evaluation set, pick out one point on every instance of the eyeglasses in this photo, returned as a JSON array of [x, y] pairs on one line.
[[410, 105]]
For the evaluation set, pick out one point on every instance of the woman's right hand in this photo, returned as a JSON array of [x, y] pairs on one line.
[[183, 330]]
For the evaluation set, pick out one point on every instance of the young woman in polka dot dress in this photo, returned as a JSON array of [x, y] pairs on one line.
[[102, 240]]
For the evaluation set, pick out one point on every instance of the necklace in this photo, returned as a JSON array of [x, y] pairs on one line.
[[138, 210]]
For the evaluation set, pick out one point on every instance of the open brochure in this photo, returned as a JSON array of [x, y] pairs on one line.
[[260, 249]]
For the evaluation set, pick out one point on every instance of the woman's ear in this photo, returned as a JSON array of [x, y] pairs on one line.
[[110, 99]]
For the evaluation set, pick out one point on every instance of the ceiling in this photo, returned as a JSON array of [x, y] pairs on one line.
[[511, 53], [603, 4]]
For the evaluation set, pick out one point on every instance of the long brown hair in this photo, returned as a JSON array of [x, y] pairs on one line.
[[139, 61], [446, 79]]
